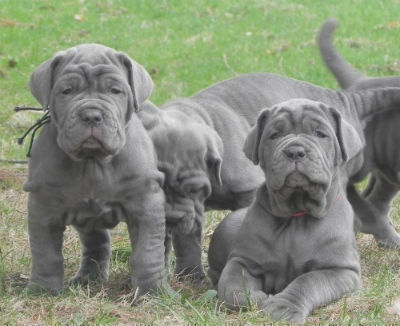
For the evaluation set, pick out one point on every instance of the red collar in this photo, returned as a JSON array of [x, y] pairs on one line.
[[305, 213]]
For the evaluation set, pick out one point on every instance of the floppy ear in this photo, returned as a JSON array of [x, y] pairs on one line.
[[348, 138], [213, 158], [139, 80], [252, 142], [42, 79]]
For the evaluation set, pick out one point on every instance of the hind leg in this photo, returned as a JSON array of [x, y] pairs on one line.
[[373, 210]]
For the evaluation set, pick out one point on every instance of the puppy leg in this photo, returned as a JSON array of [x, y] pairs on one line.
[[309, 291], [380, 192], [238, 288], [372, 211], [380, 197], [188, 253], [147, 234], [47, 260], [95, 259], [371, 184], [168, 247]]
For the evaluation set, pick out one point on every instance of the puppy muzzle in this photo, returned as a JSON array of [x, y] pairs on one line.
[[184, 217], [298, 163], [92, 129]]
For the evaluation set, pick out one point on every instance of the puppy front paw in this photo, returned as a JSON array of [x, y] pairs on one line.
[[84, 279], [36, 288], [279, 308]]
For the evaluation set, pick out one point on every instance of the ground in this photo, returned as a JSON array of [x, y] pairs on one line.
[[186, 46]]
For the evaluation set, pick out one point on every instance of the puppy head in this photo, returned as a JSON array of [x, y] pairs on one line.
[[300, 145], [91, 92], [190, 155]]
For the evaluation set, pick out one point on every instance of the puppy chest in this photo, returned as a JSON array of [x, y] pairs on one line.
[[286, 255], [290, 255]]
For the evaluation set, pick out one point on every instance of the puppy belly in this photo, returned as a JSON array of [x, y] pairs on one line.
[[90, 215]]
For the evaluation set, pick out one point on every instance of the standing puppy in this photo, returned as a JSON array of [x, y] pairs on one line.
[[295, 248], [93, 166], [382, 135]]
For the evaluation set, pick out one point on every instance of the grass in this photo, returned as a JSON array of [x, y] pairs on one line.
[[186, 46]]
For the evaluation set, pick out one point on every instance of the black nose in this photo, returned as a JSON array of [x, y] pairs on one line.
[[295, 153], [92, 117]]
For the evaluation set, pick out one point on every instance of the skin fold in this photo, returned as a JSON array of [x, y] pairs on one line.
[[294, 248], [93, 166], [199, 143]]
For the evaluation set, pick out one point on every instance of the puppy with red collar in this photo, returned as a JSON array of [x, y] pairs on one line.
[[294, 248]]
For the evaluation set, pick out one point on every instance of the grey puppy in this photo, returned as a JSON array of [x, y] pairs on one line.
[[204, 167], [199, 143], [93, 166], [382, 138], [294, 248]]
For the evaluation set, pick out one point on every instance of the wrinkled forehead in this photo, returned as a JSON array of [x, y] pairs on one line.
[[91, 61], [297, 112]]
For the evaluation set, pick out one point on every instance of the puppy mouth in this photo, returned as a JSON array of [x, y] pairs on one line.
[[92, 148], [297, 182], [180, 220], [175, 216]]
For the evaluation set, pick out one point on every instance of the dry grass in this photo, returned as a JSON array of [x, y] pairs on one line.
[[186, 46], [111, 302]]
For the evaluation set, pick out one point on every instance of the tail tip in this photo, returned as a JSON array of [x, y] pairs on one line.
[[330, 25]]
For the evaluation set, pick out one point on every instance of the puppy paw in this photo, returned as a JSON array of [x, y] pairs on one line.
[[151, 287], [193, 274], [36, 288], [281, 309], [85, 278], [391, 241]]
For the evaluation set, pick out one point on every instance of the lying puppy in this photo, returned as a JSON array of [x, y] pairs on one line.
[[191, 137], [93, 166], [294, 248], [382, 138]]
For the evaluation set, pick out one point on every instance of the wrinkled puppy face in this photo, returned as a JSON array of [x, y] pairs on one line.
[[300, 147], [91, 99], [90, 107], [190, 157], [297, 149]]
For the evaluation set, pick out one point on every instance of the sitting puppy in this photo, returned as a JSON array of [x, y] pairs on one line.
[[294, 248], [93, 166]]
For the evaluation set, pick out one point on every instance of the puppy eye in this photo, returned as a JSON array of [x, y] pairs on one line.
[[320, 134], [116, 90], [193, 191], [67, 90], [274, 135]]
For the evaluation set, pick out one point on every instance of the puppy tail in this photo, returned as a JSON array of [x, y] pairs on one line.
[[345, 73]]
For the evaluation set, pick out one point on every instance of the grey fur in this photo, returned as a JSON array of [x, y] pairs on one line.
[[347, 75], [382, 138], [288, 265], [217, 120], [93, 166]]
